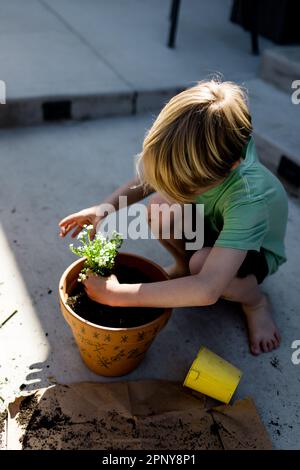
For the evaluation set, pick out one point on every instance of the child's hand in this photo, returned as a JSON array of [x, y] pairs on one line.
[[101, 289], [78, 220]]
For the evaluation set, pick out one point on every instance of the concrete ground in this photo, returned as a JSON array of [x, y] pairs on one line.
[[48, 172], [74, 48], [99, 58], [111, 58]]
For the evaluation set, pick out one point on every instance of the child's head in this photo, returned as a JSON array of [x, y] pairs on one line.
[[195, 140]]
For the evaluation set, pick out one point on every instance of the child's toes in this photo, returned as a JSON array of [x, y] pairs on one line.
[[277, 337], [263, 346], [255, 348]]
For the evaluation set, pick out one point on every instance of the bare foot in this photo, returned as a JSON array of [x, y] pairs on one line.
[[263, 333], [177, 270]]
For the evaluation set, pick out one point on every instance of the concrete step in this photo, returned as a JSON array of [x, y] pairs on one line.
[[74, 60], [276, 122], [35, 110], [281, 66]]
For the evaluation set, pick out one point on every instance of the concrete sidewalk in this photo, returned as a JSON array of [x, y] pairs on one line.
[[106, 58], [50, 171], [74, 60]]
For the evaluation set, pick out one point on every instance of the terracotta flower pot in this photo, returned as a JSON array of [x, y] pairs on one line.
[[112, 351]]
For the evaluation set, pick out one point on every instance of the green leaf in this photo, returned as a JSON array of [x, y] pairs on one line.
[[100, 253]]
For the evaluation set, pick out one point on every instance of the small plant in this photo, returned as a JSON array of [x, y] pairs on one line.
[[100, 253]]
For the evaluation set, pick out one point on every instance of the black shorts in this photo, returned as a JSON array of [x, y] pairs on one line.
[[255, 262]]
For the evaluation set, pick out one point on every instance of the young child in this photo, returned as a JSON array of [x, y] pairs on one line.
[[200, 150]]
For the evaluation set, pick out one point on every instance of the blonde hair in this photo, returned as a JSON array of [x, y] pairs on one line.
[[195, 140]]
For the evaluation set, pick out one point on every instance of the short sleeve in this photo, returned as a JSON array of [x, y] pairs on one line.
[[245, 225]]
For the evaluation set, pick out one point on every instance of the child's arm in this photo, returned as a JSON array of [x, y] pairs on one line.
[[204, 288], [134, 192]]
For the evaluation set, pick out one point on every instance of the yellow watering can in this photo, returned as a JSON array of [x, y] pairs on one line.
[[213, 376]]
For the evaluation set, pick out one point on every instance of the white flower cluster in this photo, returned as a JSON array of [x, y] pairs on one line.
[[100, 253]]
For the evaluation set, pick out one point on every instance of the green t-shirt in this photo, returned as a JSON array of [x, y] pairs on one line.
[[248, 211]]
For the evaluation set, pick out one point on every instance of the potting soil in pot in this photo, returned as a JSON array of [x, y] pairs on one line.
[[114, 317]]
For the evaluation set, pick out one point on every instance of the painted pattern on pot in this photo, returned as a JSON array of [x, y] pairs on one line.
[[112, 351]]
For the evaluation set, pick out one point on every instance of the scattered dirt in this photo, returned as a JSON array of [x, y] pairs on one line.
[[277, 427], [51, 425], [27, 408], [214, 429], [113, 317], [71, 418], [57, 430], [39, 421], [275, 363], [3, 417]]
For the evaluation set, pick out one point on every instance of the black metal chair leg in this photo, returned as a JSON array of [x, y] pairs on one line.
[[174, 21], [254, 27], [172, 10]]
